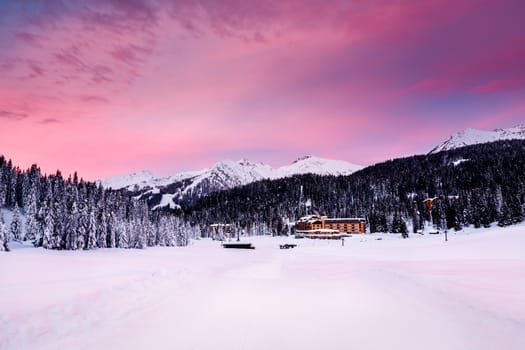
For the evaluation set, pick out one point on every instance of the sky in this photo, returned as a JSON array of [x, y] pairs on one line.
[[106, 87]]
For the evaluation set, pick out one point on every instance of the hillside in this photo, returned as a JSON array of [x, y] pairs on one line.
[[58, 213], [473, 137], [186, 187], [477, 185]]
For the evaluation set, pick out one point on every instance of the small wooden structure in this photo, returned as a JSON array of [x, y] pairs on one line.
[[287, 246], [429, 202], [238, 245]]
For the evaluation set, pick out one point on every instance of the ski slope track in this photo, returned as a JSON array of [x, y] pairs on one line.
[[418, 293]]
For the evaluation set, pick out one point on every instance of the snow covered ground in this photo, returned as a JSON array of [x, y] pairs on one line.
[[419, 293]]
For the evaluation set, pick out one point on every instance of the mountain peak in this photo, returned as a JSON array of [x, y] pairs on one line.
[[223, 175], [126, 180], [472, 136], [314, 165], [300, 159], [247, 162]]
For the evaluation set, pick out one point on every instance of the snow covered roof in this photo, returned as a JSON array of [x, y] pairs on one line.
[[314, 218], [310, 219]]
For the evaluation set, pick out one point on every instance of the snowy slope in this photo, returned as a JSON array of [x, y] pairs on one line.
[[223, 175], [316, 165], [128, 180], [146, 180], [473, 136], [229, 173], [233, 173], [413, 294]]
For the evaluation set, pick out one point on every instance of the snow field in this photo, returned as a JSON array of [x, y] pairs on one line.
[[419, 293]]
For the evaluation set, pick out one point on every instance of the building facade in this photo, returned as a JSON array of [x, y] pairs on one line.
[[219, 231], [315, 224]]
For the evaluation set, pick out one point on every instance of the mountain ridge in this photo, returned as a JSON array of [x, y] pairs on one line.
[[471, 136], [226, 174]]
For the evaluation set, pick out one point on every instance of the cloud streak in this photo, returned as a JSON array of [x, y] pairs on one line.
[[49, 121], [12, 115], [144, 83]]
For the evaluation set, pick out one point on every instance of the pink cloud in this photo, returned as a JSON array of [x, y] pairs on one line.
[[12, 115], [94, 99], [500, 85], [131, 54], [438, 86], [116, 86], [28, 38]]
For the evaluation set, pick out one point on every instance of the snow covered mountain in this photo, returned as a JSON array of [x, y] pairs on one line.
[[473, 136], [168, 190], [316, 165], [128, 180]]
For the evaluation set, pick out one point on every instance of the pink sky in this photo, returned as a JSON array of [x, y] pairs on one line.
[[110, 87]]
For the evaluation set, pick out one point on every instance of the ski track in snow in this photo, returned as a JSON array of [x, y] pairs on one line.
[[397, 294]]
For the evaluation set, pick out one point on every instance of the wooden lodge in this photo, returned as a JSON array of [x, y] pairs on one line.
[[220, 228], [219, 231], [315, 226]]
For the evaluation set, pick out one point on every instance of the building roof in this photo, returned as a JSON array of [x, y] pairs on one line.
[[345, 220], [311, 219]]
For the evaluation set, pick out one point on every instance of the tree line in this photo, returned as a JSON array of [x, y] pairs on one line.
[[75, 214], [477, 185]]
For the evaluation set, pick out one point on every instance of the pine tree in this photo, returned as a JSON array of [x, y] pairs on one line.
[[182, 235], [124, 240], [515, 208], [38, 240], [72, 228], [138, 235], [102, 229], [399, 225], [10, 184], [505, 216], [416, 221], [169, 231], [48, 227], [381, 225], [3, 191], [91, 242], [3, 234], [58, 233], [111, 226], [31, 209], [16, 230], [60, 212], [83, 223]]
